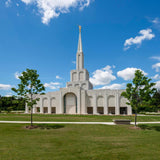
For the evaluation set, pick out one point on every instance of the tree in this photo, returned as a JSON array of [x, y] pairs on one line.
[[0, 103], [12, 103], [156, 100], [29, 87], [139, 92]]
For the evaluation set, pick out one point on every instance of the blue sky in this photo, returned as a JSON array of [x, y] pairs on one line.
[[118, 36]]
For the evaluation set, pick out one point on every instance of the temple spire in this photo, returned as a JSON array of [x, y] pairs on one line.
[[80, 41], [80, 57]]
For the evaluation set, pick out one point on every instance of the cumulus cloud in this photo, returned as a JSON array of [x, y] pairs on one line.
[[156, 66], [53, 8], [102, 76], [145, 34], [28, 1], [114, 86], [156, 77], [8, 3], [5, 86], [156, 58], [128, 73], [157, 85], [8, 95], [52, 85], [17, 75], [58, 77]]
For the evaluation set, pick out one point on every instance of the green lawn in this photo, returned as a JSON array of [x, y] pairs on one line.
[[74, 118], [78, 142]]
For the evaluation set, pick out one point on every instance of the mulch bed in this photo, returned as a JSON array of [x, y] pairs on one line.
[[135, 127], [31, 127]]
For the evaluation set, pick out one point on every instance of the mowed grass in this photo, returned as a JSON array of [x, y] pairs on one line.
[[78, 142], [73, 118]]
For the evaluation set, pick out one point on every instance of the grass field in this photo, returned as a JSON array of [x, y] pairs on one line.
[[74, 118], [79, 142]]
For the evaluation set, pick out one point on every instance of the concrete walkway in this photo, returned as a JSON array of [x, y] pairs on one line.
[[105, 123]]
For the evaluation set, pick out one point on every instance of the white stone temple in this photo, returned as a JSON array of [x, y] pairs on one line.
[[79, 97]]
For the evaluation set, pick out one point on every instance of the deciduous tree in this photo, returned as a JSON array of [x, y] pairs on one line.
[[29, 87], [139, 92]]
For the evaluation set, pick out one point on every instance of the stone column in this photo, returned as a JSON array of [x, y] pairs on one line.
[[78, 78], [129, 110], [71, 79], [61, 104], [105, 104], [41, 105], [49, 105], [26, 108], [78, 102], [95, 104], [117, 107], [83, 102]]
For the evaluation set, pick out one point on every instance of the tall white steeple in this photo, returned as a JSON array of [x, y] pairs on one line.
[[80, 76], [80, 56], [80, 41]]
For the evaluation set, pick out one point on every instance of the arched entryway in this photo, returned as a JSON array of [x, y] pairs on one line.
[[70, 103]]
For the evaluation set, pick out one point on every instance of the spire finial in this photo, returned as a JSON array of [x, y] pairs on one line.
[[80, 40], [80, 27]]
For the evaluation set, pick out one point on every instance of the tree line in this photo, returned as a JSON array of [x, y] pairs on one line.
[[11, 103]]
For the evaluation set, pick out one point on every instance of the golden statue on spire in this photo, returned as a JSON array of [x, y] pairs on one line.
[[80, 27]]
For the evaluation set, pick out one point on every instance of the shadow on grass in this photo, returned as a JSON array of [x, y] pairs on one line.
[[50, 126], [45, 126], [150, 127]]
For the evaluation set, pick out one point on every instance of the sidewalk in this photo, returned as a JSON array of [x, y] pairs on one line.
[[105, 123]]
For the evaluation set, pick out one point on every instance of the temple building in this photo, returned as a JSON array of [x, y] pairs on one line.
[[79, 97]]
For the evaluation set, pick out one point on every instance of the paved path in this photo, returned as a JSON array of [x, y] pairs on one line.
[[105, 123]]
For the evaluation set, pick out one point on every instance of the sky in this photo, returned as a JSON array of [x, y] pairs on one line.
[[118, 37]]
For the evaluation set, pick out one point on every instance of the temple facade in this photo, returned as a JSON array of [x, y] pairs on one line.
[[79, 97]]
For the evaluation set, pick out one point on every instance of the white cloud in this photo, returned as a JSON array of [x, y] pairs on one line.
[[53, 8], [74, 62], [157, 85], [8, 3], [28, 1], [102, 76], [8, 95], [113, 66], [156, 58], [5, 86], [17, 75], [145, 34], [58, 77], [156, 77], [156, 66], [115, 86], [52, 85], [156, 20], [128, 73]]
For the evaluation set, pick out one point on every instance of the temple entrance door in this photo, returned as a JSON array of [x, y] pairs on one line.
[[70, 103]]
